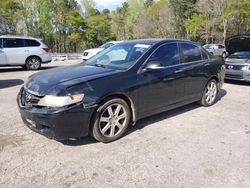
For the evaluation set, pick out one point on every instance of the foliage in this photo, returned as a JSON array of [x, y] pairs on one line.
[[73, 25]]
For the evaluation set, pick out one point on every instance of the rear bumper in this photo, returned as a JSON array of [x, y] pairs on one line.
[[69, 122], [46, 57]]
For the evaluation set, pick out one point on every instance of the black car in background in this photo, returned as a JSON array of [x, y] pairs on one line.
[[238, 61], [120, 85]]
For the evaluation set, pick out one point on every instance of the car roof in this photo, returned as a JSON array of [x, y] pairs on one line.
[[156, 41], [18, 37]]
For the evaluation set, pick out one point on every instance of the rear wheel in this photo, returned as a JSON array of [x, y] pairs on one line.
[[210, 93], [111, 120], [33, 63]]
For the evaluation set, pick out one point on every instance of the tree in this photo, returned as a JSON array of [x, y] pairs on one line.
[[10, 12], [148, 3], [182, 11], [238, 11]]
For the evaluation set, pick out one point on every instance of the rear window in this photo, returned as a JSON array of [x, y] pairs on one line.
[[190, 52], [31, 43], [13, 43]]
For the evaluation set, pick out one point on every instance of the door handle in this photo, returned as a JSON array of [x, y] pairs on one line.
[[26, 50]]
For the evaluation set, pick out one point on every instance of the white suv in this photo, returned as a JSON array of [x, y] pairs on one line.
[[27, 52], [216, 49]]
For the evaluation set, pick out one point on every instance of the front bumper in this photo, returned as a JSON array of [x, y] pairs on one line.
[[62, 124], [234, 73]]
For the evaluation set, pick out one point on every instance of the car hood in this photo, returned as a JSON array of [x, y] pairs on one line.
[[51, 82], [238, 43]]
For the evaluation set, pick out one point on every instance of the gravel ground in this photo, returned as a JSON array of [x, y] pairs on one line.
[[191, 146]]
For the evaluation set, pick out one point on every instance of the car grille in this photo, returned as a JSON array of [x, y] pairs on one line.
[[28, 99], [234, 76], [85, 54], [234, 67]]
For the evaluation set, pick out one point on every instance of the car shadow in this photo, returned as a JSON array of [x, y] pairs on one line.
[[18, 69], [145, 121], [10, 83], [236, 82]]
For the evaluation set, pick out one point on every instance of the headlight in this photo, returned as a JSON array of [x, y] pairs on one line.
[[60, 101]]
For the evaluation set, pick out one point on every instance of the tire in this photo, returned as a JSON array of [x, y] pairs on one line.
[[111, 120], [209, 94], [33, 63]]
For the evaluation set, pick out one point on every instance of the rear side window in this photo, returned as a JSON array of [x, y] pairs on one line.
[[1, 43], [167, 54], [31, 43], [190, 52], [13, 43]]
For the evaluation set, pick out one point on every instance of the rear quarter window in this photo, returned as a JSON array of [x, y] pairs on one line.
[[190, 52], [13, 43], [1, 43], [31, 43]]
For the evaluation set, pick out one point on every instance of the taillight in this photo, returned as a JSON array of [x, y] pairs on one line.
[[46, 49]]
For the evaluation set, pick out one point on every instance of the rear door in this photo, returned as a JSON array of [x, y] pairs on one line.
[[2, 54], [14, 51], [195, 70], [31, 47]]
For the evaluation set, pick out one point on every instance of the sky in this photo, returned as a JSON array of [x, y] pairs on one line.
[[110, 4]]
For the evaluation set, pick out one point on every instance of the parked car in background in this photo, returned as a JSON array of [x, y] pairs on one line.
[[60, 58], [27, 52], [87, 54], [238, 61], [107, 93], [216, 49]]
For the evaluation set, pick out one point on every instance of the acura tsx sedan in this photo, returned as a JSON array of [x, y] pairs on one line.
[[124, 83]]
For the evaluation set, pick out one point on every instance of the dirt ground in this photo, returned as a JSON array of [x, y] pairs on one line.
[[191, 146]]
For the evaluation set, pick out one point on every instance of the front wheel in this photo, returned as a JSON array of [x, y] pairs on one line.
[[33, 63], [111, 120], [209, 94]]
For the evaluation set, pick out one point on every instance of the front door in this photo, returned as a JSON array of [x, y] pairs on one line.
[[163, 87], [2, 55], [14, 51]]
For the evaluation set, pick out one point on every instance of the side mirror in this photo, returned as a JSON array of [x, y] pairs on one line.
[[153, 66]]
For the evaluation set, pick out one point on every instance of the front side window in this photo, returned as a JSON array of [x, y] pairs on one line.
[[31, 43], [166, 55], [190, 52], [120, 56], [13, 43]]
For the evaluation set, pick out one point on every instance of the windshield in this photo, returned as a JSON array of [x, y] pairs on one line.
[[106, 45], [241, 55], [120, 56]]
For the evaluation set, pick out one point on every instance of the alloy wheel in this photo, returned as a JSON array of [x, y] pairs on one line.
[[33, 63], [211, 92], [113, 120]]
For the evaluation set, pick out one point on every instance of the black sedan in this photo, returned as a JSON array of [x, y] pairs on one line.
[[120, 85]]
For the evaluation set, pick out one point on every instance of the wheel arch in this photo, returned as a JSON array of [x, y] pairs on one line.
[[127, 99], [33, 56]]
